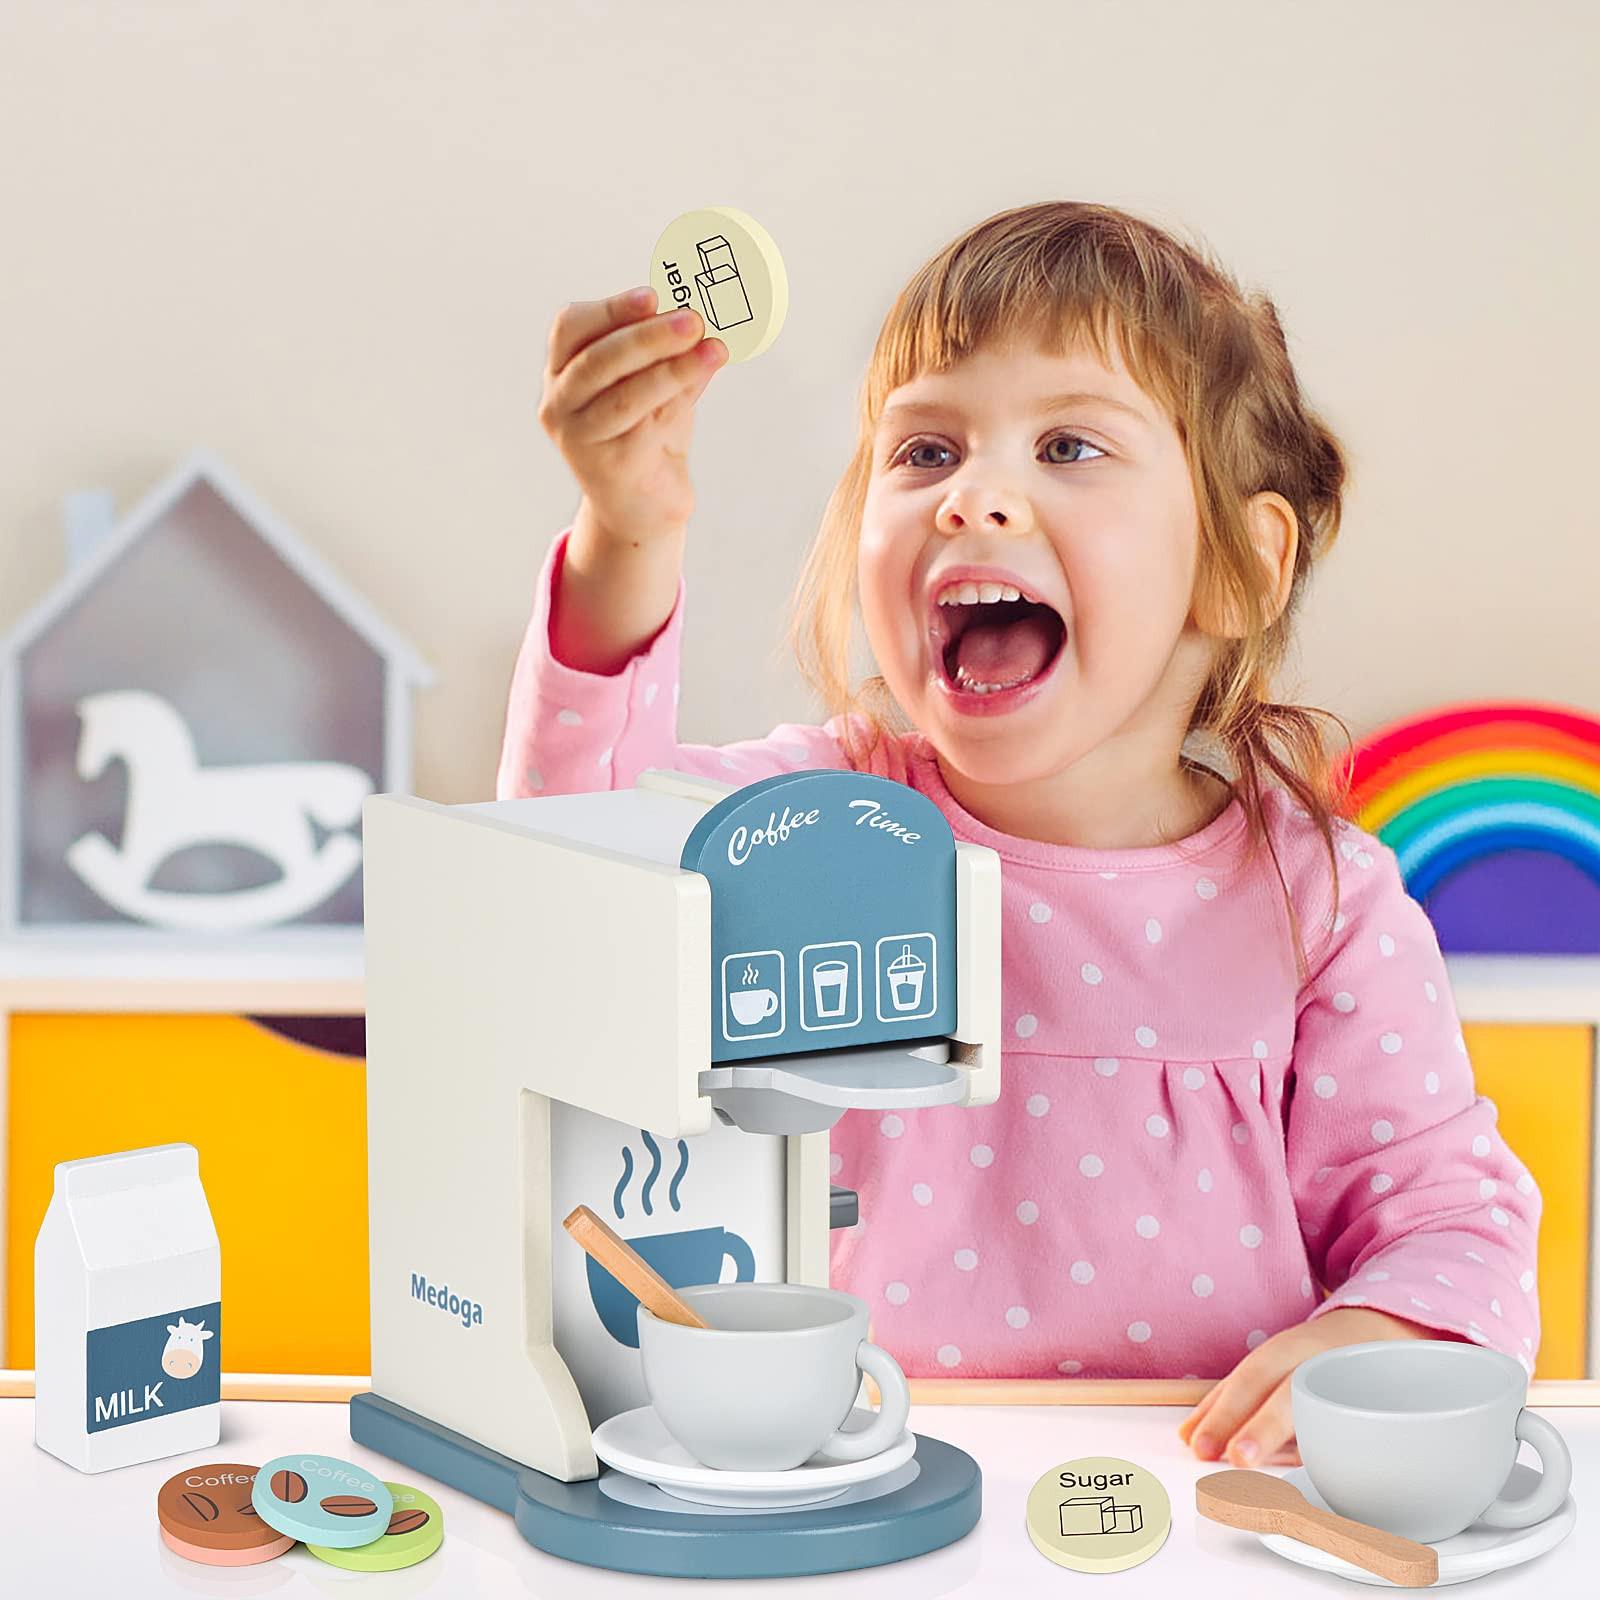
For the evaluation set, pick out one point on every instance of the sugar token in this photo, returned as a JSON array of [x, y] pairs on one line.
[[415, 1531], [1098, 1514], [322, 1500], [207, 1514], [723, 264]]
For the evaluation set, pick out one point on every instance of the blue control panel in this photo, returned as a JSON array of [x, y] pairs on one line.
[[833, 914]]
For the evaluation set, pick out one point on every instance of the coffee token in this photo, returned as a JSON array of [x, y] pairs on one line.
[[322, 1500], [208, 1514], [723, 264], [416, 1530], [1098, 1514]]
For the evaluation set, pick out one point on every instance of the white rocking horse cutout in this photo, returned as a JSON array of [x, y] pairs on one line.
[[174, 803]]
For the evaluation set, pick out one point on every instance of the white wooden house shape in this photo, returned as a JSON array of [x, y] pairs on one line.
[[190, 721]]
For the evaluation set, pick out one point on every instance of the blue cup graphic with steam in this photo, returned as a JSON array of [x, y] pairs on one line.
[[684, 1258]]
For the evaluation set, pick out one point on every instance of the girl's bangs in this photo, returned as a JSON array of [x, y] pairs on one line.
[[945, 318]]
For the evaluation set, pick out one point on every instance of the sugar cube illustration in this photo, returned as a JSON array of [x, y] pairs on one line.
[[1093, 1513]]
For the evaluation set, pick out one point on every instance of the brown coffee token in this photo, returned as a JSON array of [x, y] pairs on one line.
[[207, 1514]]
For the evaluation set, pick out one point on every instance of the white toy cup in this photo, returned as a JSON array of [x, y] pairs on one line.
[[1418, 1436], [769, 1383]]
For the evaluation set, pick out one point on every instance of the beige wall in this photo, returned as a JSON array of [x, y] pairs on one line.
[[326, 239]]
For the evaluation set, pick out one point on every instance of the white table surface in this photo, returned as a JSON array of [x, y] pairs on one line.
[[72, 1534]]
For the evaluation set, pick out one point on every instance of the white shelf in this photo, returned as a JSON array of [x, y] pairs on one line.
[[313, 970], [1526, 988]]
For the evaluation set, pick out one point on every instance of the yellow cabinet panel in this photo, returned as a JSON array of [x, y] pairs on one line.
[[1541, 1077], [281, 1129]]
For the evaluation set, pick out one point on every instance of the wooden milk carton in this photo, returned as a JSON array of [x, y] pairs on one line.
[[127, 1311]]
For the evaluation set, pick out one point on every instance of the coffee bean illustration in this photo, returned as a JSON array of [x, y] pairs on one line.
[[289, 1487], [406, 1521], [349, 1505], [203, 1506]]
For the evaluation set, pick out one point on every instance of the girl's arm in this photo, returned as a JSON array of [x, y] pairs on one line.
[[594, 694], [1410, 1200], [570, 730], [615, 594]]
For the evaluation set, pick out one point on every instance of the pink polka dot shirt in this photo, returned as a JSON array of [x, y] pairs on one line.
[[1193, 1148]]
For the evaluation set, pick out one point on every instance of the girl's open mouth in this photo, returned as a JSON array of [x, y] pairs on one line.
[[992, 655]]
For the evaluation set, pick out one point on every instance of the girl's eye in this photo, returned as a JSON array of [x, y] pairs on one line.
[[922, 453], [1069, 440], [915, 445]]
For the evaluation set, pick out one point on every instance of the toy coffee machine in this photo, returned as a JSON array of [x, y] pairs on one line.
[[654, 1002]]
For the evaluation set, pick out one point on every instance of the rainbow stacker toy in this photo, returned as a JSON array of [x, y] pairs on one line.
[[1493, 811], [654, 1002]]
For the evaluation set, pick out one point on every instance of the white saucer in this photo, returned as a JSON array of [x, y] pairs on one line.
[[637, 1442], [1468, 1554]]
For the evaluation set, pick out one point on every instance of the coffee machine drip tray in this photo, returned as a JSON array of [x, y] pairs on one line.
[[807, 1093]]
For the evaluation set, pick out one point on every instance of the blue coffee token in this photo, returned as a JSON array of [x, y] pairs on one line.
[[322, 1500]]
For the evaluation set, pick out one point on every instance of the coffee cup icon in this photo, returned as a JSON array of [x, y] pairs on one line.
[[692, 1256], [751, 1006], [830, 983], [906, 972]]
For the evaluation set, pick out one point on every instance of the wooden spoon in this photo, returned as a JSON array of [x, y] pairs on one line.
[[630, 1269], [1262, 1503]]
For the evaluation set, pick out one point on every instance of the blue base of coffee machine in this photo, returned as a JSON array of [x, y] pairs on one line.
[[582, 1522]]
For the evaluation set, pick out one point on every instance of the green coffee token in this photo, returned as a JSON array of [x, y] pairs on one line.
[[1098, 1514], [416, 1530], [723, 264]]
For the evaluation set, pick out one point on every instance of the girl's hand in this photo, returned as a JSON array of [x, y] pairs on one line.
[[619, 393], [1247, 1418]]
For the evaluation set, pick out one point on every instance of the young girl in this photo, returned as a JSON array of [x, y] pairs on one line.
[[1086, 497]]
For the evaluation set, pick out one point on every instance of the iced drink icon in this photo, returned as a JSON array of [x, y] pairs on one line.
[[905, 980], [830, 981]]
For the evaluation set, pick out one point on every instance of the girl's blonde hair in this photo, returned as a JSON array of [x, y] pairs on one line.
[[1215, 358]]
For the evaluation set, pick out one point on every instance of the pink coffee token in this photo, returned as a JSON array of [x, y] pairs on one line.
[[206, 1514]]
